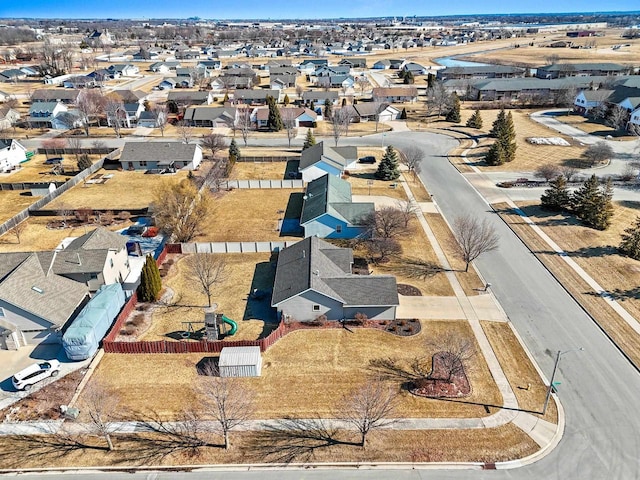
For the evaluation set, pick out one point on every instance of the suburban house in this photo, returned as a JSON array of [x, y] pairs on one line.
[[383, 112], [12, 75], [225, 83], [387, 64], [99, 39], [35, 303], [55, 95], [8, 117], [319, 97], [282, 81], [80, 81], [96, 258], [328, 210], [124, 69], [167, 84], [191, 97], [303, 117], [160, 155], [255, 97], [336, 81], [45, 115], [149, 119], [484, 71], [395, 94], [559, 70], [209, 65], [321, 159], [415, 68], [12, 154], [129, 96], [214, 117], [620, 95], [587, 100], [634, 121], [353, 62], [313, 279]]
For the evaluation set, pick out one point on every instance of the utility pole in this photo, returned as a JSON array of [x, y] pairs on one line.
[[553, 376]]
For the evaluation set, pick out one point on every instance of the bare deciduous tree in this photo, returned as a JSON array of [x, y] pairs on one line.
[[412, 158], [74, 143], [243, 123], [370, 407], [569, 172], [438, 99], [363, 84], [90, 104], [474, 237], [597, 153], [547, 171], [387, 222], [114, 109], [185, 132], [205, 271], [408, 211], [179, 209], [214, 142], [340, 119], [101, 407], [617, 117], [226, 400], [18, 227], [380, 249], [459, 351], [289, 121], [160, 115]]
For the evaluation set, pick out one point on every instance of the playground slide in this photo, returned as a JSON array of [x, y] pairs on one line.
[[234, 325]]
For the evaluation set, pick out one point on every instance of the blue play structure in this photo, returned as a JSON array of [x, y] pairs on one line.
[[82, 338]]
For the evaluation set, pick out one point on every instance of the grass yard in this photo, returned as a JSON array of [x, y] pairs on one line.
[[355, 130], [415, 245], [489, 445], [244, 272], [14, 201], [359, 178], [37, 236], [258, 171], [593, 127], [246, 215], [519, 370], [124, 190], [595, 252], [35, 170], [470, 280], [305, 373]]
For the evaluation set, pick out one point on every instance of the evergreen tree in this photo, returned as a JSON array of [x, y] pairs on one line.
[[389, 167], [592, 205], [312, 106], [309, 140], [475, 121], [498, 124], [630, 244], [557, 196], [286, 100], [274, 122], [495, 155], [508, 138], [431, 80], [150, 281], [453, 115], [408, 79], [327, 110], [234, 151], [403, 114]]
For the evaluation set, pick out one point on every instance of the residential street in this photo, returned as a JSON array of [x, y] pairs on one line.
[[599, 388]]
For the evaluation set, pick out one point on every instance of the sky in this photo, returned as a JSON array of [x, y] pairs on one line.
[[278, 9]]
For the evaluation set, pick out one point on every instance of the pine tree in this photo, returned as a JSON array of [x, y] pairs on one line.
[[309, 140], [475, 121], [557, 196], [403, 114], [495, 155], [389, 167], [327, 110], [508, 138], [274, 122], [498, 124], [312, 106], [286, 100], [431, 80], [234, 151], [453, 115], [150, 281], [630, 244], [593, 205]]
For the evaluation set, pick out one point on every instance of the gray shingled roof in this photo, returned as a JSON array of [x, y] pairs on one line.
[[339, 156], [48, 296], [313, 264], [584, 67], [100, 238], [332, 195], [210, 113], [68, 262], [160, 151]]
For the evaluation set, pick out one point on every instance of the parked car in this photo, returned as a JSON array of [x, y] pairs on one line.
[[35, 373], [367, 159], [53, 161]]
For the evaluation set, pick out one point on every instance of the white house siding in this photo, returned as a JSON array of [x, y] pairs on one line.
[[325, 226], [300, 307], [318, 170]]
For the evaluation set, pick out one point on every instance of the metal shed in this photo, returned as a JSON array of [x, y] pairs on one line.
[[240, 362]]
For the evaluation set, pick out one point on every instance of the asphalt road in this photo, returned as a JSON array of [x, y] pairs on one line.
[[599, 388]]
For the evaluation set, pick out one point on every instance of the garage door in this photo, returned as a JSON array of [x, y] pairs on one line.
[[35, 337]]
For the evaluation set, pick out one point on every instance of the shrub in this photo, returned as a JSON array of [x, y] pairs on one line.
[[402, 323], [137, 320]]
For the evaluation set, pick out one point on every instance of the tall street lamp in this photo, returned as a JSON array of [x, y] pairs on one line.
[[553, 375]]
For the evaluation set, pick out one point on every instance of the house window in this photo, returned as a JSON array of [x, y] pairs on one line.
[[338, 228], [316, 308], [143, 163], [111, 262], [93, 276]]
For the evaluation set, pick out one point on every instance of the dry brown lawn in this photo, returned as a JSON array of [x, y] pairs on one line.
[[14, 201], [124, 190], [470, 280], [244, 272], [592, 127], [536, 55], [594, 251], [266, 151], [360, 177], [258, 171], [488, 445], [525, 382], [246, 215], [36, 171], [355, 130], [415, 245], [304, 374], [417, 188]]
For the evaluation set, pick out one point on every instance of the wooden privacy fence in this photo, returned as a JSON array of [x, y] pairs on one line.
[[232, 247]]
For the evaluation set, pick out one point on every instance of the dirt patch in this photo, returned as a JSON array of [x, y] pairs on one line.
[[446, 380], [409, 290], [404, 328], [45, 403]]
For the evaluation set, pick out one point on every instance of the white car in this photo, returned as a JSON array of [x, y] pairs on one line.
[[35, 373]]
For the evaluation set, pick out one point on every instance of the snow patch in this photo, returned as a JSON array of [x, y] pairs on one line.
[[561, 142]]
